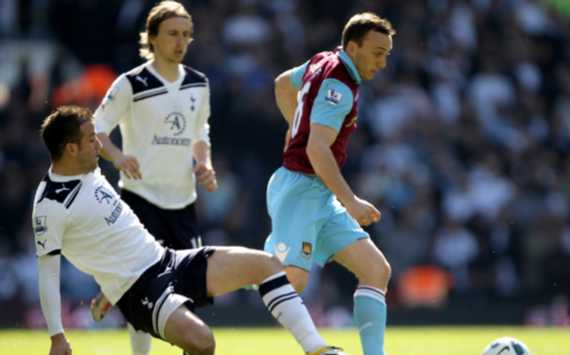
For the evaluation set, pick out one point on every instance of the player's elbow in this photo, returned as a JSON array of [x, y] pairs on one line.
[[314, 149]]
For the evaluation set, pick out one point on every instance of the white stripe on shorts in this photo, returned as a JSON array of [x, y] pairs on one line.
[[171, 304]]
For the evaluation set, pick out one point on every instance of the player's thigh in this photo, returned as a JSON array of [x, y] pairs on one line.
[[231, 268], [339, 232], [297, 215], [366, 262], [186, 330]]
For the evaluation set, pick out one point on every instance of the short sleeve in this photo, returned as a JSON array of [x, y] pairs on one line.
[[49, 225], [333, 102], [114, 106], [297, 75]]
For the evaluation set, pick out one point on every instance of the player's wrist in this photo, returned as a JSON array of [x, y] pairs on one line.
[[348, 200], [117, 158], [58, 337]]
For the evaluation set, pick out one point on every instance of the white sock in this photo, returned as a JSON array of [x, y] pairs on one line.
[[288, 308], [140, 341]]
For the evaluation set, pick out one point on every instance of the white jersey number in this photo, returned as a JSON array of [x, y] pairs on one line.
[[299, 111]]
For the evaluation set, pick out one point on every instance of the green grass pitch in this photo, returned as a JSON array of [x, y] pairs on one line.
[[274, 341]]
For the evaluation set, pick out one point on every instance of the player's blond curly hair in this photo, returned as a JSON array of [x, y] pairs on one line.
[[162, 11]]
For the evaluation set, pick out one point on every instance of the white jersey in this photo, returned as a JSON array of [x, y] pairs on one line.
[[159, 122], [83, 218]]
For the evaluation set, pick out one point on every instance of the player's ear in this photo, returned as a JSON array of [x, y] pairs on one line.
[[72, 148], [351, 48]]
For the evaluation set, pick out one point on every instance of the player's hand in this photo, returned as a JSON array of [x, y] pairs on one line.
[[59, 345], [129, 165], [99, 307], [363, 211], [206, 176]]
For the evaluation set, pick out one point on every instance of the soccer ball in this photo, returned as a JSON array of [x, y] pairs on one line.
[[506, 346]]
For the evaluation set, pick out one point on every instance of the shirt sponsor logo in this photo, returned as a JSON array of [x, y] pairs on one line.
[[176, 122], [333, 96], [164, 140], [115, 214], [104, 196]]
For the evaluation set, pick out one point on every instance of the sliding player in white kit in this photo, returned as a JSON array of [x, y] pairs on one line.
[[78, 214], [162, 109]]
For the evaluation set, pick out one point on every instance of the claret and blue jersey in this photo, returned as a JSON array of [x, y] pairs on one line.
[[309, 224], [328, 95]]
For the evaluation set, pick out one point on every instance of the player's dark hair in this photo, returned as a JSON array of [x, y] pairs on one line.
[[162, 11], [63, 126], [360, 24]]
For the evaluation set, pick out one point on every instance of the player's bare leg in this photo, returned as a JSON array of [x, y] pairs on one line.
[[371, 268], [297, 277], [229, 269], [186, 330]]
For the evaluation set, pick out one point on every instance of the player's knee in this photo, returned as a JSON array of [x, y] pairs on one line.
[[269, 264], [297, 279], [200, 342], [299, 285], [377, 273]]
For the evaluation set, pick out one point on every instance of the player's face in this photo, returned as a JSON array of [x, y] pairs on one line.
[[371, 56], [171, 42], [89, 148]]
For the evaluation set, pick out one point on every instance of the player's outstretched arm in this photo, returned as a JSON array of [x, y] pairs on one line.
[[50, 300], [286, 95], [128, 164], [326, 167]]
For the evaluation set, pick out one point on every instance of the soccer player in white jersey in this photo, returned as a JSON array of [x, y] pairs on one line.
[[77, 214], [162, 109]]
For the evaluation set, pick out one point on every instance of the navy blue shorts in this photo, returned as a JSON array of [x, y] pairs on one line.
[[176, 229], [179, 278]]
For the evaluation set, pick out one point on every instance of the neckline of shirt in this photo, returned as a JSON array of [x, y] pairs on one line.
[[349, 64], [63, 178], [177, 82]]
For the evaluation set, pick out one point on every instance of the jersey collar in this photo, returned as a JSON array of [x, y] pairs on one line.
[[349, 64], [181, 74], [61, 178]]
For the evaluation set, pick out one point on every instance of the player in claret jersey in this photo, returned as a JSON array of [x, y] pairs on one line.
[[315, 215]]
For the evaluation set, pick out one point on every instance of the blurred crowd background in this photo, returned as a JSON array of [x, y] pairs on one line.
[[463, 144]]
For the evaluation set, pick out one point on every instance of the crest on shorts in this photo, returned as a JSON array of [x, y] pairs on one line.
[[307, 249]]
